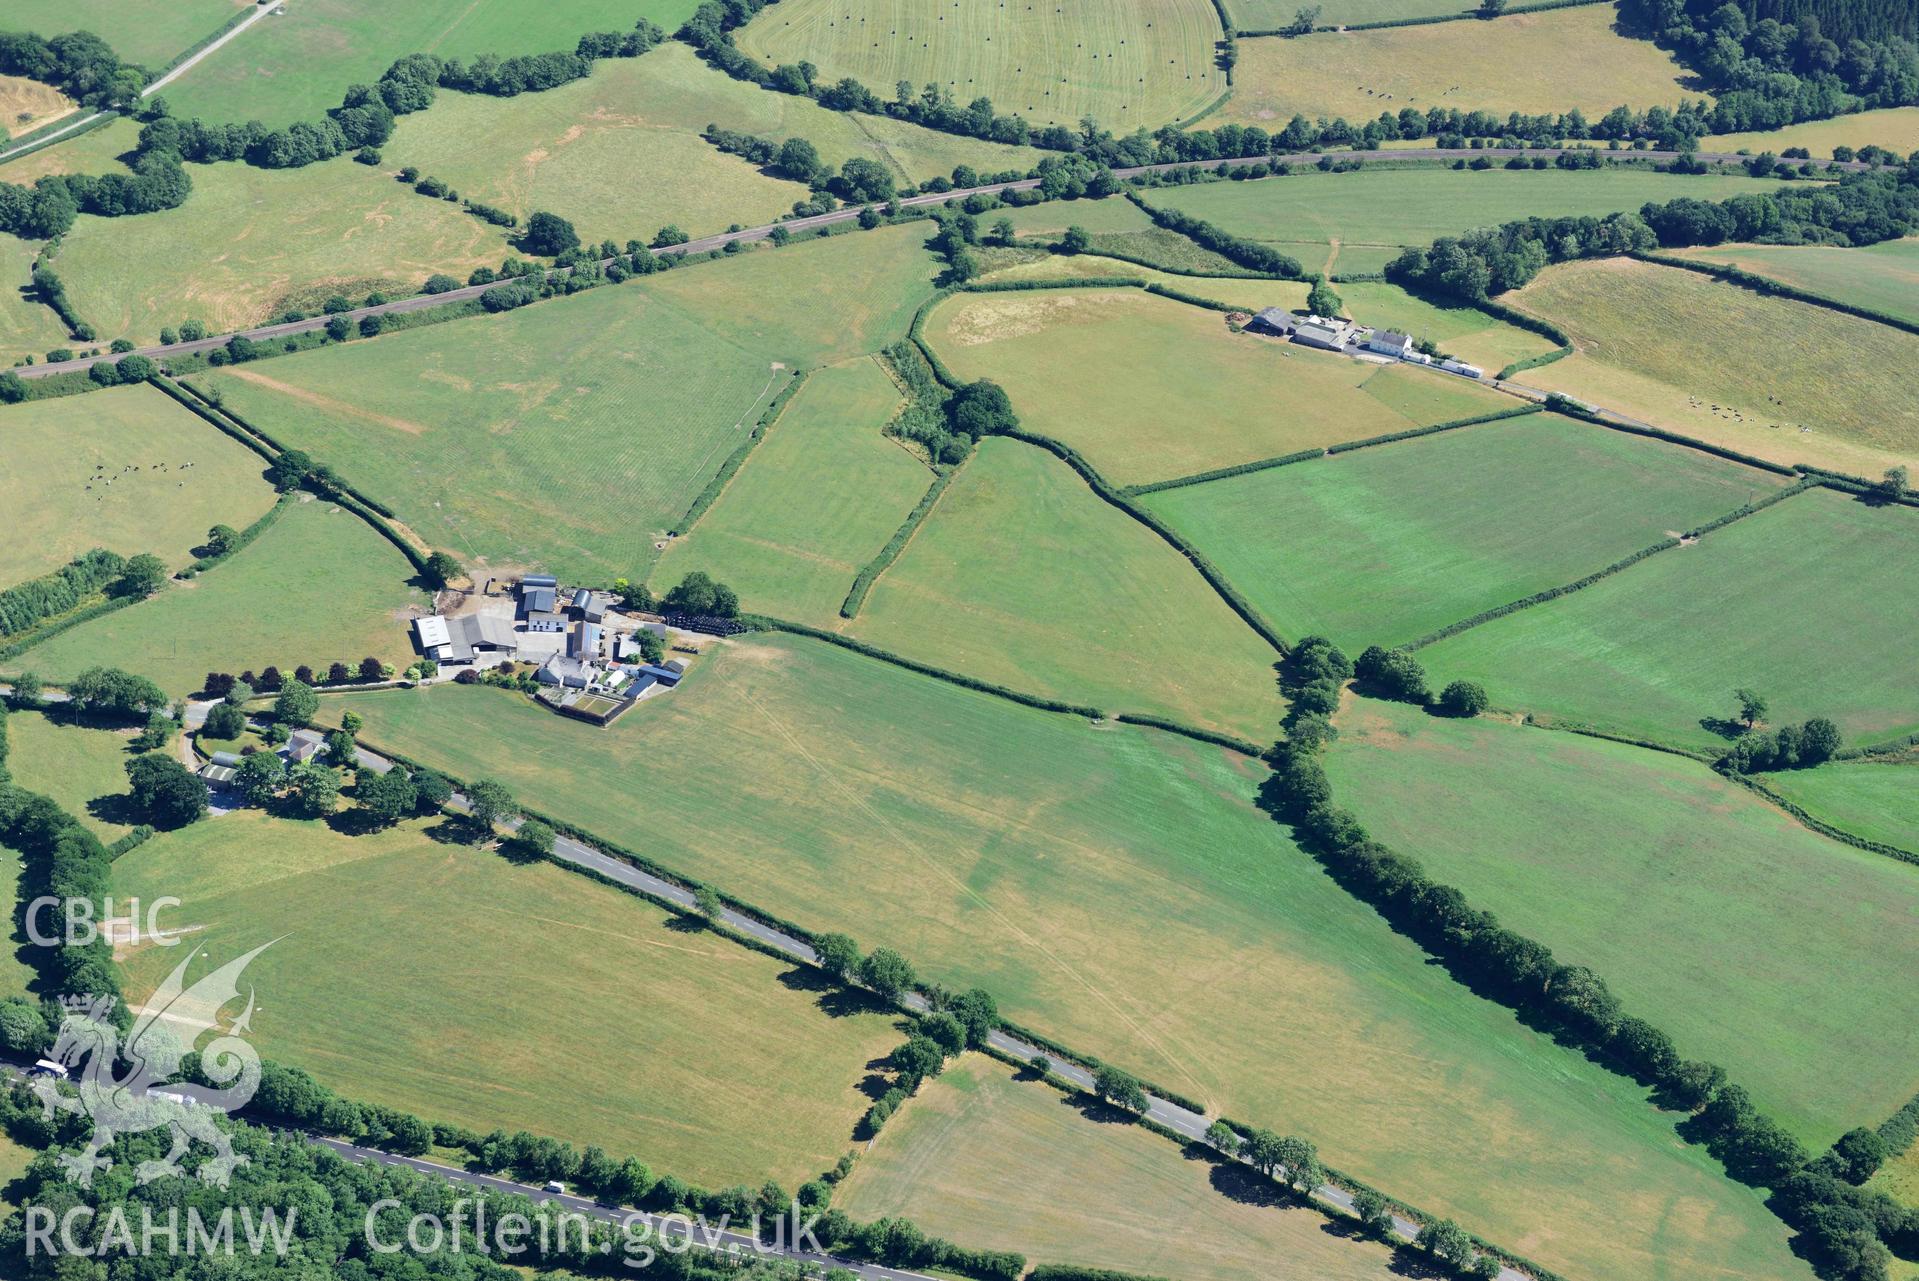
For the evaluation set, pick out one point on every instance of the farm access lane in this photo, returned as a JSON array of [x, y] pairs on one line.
[[466, 293], [1183, 1121], [259, 12]]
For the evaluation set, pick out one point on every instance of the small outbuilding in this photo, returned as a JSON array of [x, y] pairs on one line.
[[1276, 321]]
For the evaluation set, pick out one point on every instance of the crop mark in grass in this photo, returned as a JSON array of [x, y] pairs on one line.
[[906, 843], [321, 401]]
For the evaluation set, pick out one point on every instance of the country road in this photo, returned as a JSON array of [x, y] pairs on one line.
[[185, 64], [465, 293]]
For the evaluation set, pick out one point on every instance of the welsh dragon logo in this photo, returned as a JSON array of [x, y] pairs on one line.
[[172, 1023]]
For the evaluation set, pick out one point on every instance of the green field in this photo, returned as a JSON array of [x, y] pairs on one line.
[[1530, 62], [1271, 15], [1250, 294], [1883, 277], [77, 766], [1894, 128], [297, 65], [1803, 602], [152, 34], [1149, 389], [318, 587], [818, 499], [1375, 207], [97, 151], [1875, 800], [1117, 889], [1899, 1178], [1022, 576], [1012, 1165], [583, 427], [620, 154], [1756, 943], [57, 510], [1385, 545], [448, 981], [1690, 353], [1465, 332], [27, 325], [251, 243], [1127, 63]]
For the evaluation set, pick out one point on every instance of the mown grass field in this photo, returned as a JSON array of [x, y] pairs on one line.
[[1894, 128], [56, 510], [446, 980], [1014, 1165], [1529, 62], [1149, 389], [297, 65], [1876, 800], [1239, 291], [816, 500], [1117, 889], [251, 243], [1133, 64], [25, 104], [1884, 277], [1465, 332], [1804, 602], [583, 427], [1702, 357], [76, 765], [1756, 943], [620, 152], [1899, 1178], [1385, 545], [1270, 15], [1375, 207], [1022, 576], [318, 587], [159, 34]]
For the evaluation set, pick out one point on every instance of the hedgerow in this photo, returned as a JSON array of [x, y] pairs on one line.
[[27, 604], [737, 459], [1414, 433]]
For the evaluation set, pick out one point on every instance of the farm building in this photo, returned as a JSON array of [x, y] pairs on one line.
[[667, 673], [1390, 342], [218, 775], [1276, 321], [538, 600], [1461, 368], [1327, 334], [584, 644], [303, 745], [562, 670], [459, 640], [226, 758], [589, 606], [545, 621]]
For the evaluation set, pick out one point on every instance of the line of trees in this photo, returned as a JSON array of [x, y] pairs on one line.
[[1847, 1229], [27, 604], [1860, 209]]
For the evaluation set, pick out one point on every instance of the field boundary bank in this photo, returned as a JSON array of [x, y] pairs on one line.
[[1329, 451], [373, 512], [1339, 1183], [1237, 273], [1248, 614], [1819, 825], [246, 536], [1767, 285], [766, 622], [774, 410], [895, 547], [1431, 20], [1566, 589]]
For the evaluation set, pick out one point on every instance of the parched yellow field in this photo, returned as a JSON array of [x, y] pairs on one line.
[[1784, 380], [1126, 63], [1894, 128], [448, 981], [249, 243], [172, 478], [1531, 62], [1149, 389], [25, 104], [1011, 1164], [620, 152]]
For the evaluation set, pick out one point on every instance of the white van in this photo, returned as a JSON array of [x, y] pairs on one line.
[[557, 1187]]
